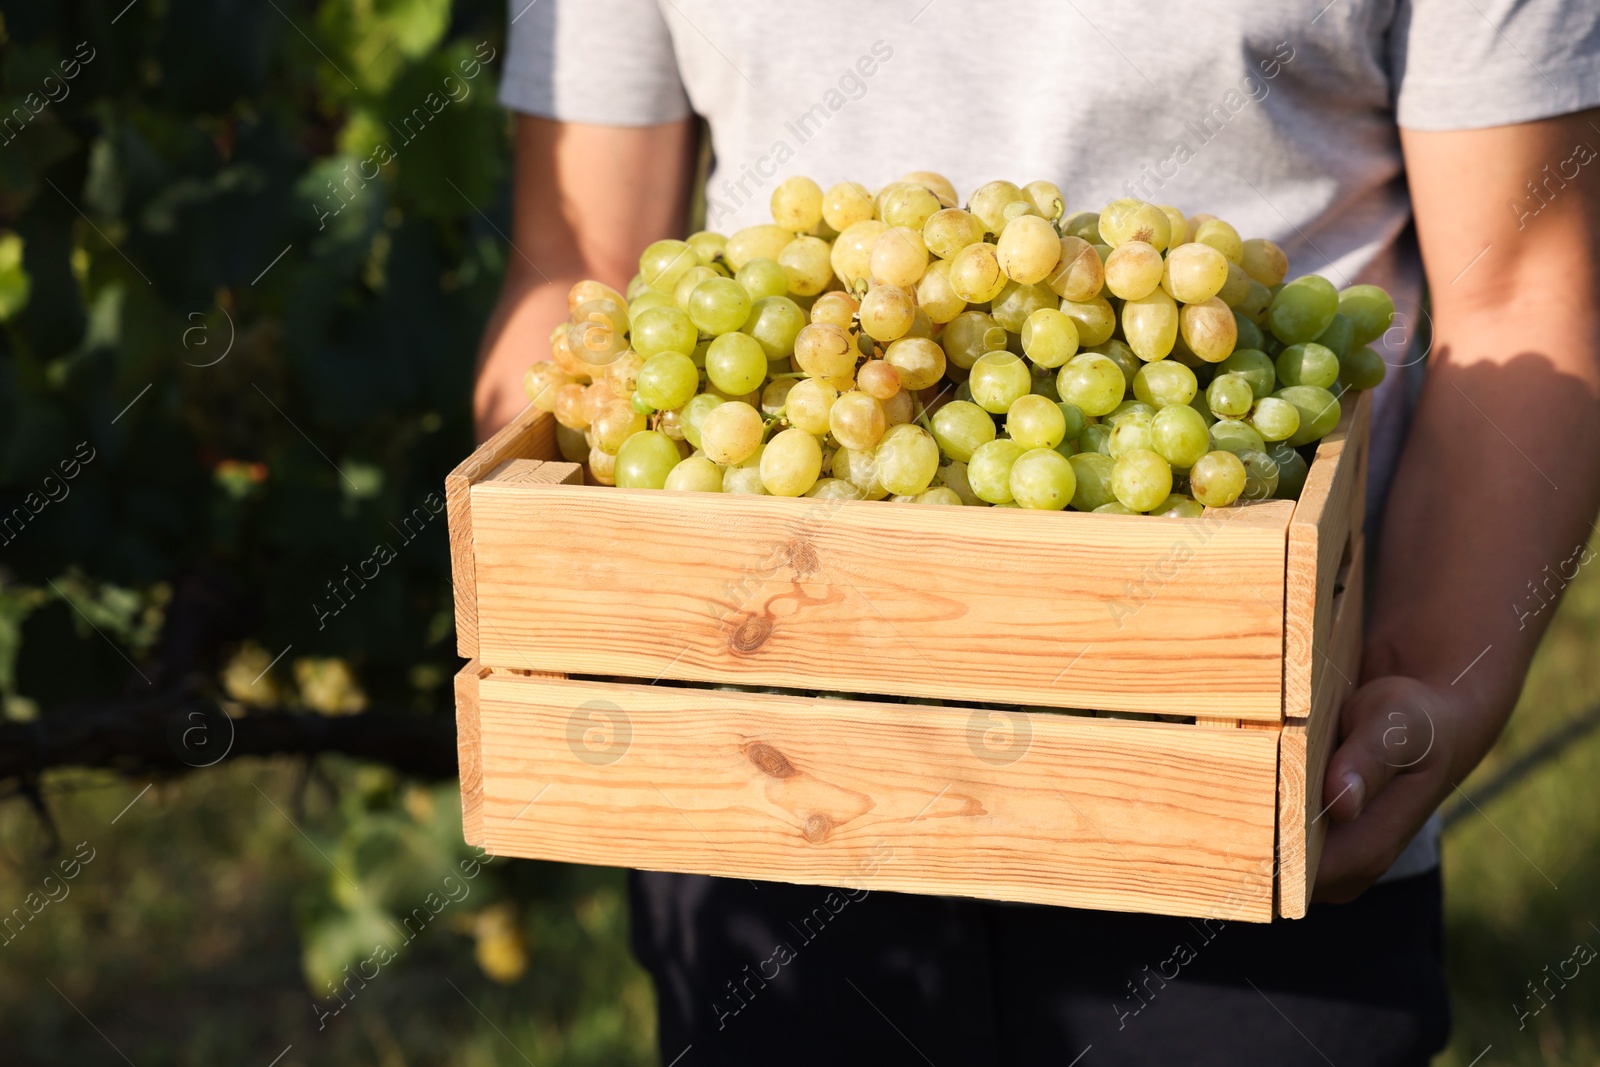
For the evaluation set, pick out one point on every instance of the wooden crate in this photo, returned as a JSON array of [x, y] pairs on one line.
[[1248, 619]]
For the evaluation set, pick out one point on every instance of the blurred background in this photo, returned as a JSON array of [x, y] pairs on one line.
[[246, 249]]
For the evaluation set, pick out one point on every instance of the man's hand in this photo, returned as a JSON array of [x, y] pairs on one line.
[[1498, 482], [1388, 776]]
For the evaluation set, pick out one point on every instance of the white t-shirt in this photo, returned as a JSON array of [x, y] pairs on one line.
[[1280, 116]]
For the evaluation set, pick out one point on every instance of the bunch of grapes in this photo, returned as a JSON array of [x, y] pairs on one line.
[[892, 345]]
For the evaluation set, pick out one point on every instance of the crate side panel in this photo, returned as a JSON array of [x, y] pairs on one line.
[[1060, 610], [1040, 807], [1309, 742]]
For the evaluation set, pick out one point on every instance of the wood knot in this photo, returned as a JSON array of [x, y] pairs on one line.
[[802, 558], [751, 633], [816, 828], [770, 761]]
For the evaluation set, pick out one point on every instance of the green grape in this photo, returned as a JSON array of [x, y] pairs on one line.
[[910, 206], [1114, 508], [664, 329], [775, 321], [1093, 475], [645, 459], [644, 302], [797, 204], [1193, 273], [615, 423], [1073, 420], [949, 230], [1236, 288], [1028, 250], [823, 350], [1308, 364], [1229, 396], [940, 495], [718, 306], [989, 203], [1370, 311], [698, 356], [953, 476], [791, 463], [1141, 479], [1339, 335], [602, 468], [1292, 470], [1129, 407], [1078, 274], [1319, 412], [687, 284], [907, 459], [809, 405], [1043, 480], [808, 261], [1017, 302], [775, 396], [834, 489], [1092, 382], [1034, 422], [1260, 475], [636, 288], [1274, 419], [1263, 261], [1364, 368], [887, 313], [898, 257], [975, 274], [846, 204], [1302, 309], [743, 480], [1208, 330], [1045, 387], [1222, 237], [919, 361], [736, 364], [1255, 304], [694, 413], [1247, 334], [1235, 435], [1085, 226], [989, 470], [707, 245], [860, 469], [668, 380], [1217, 479], [1151, 324], [1198, 406], [1094, 318], [1131, 433], [1179, 435], [1120, 354], [1178, 506], [731, 432], [963, 392], [697, 474], [1164, 384], [1095, 439], [998, 380], [936, 297], [1127, 220], [969, 335], [852, 251], [1133, 270], [664, 262], [762, 278], [1255, 367], [857, 421], [960, 427]]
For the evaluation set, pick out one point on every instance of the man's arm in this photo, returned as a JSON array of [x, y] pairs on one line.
[[1499, 479], [586, 201]]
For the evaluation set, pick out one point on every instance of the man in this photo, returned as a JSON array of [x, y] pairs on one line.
[[1375, 140]]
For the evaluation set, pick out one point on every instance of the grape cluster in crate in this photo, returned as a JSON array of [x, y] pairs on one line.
[[892, 345]]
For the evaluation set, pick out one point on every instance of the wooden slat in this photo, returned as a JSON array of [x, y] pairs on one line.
[[1039, 807], [1327, 515], [531, 435], [1309, 741], [1178, 616], [469, 751]]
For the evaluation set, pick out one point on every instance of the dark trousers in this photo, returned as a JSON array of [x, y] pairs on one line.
[[775, 974]]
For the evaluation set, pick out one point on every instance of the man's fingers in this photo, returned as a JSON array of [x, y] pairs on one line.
[[1386, 728]]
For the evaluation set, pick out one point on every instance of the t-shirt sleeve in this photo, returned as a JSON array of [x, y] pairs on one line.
[[1466, 64], [607, 62]]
